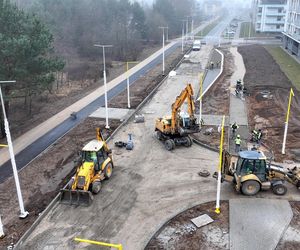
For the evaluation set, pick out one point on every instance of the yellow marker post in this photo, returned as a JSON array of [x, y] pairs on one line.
[[217, 210], [127, 76], [287, 121], [99, 243], [3, 145], [201, 76]]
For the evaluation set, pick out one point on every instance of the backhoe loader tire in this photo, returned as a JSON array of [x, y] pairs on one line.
[[250, 187], [96, 186], [169, 144], [188, 142], [279, 189], [108, 170], [159, 135]]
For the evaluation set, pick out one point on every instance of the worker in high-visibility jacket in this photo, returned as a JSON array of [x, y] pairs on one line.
[[238, 142]]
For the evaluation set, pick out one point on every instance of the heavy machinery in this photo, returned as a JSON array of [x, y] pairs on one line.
[[174, 130], [250, 173], [95, 165]]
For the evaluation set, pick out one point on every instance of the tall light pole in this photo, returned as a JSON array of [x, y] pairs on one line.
[[187, 27], [182, 38], [163, 29], [104, 77], [127, 76], [167, 37], [23, 212]]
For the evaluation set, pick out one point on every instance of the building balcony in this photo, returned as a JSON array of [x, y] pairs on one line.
[[275, 14], [274, 22], [295, 37]]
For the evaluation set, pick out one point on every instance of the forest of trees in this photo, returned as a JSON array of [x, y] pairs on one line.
[[123, 23]]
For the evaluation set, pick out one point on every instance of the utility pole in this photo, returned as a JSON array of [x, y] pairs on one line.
[[163, 29], [23, 212], [104, 77]]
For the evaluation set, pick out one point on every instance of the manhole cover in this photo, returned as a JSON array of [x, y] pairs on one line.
[[204, 173]]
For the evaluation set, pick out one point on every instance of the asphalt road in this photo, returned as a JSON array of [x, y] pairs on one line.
[[33, 150]]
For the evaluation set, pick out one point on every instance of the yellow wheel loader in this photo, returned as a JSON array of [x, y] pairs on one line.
[[96, 165], [174, 130], [249, 172]]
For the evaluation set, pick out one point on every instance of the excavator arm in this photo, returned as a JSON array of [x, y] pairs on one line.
[[188, 94]]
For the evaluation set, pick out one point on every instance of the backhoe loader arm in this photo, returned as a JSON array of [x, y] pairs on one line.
[[99, 137], [187, 93]]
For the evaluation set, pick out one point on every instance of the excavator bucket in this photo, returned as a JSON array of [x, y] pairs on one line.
[[76, 197]]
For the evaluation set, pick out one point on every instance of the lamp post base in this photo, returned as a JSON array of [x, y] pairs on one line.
[[23, 215]]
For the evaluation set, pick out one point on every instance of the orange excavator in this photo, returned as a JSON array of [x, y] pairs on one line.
[[174, 129]]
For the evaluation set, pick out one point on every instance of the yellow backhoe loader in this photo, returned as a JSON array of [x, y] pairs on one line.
[[96, 165], [174, 130], [250, 172]]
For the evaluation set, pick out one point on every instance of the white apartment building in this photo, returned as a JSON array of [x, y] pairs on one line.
[[269, 15], [291, 38]]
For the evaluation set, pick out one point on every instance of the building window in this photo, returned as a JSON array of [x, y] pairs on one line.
[[278, 18], [277, 26], [260, 10]]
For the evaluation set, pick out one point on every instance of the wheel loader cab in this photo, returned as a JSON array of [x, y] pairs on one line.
[[94, 152], [252, 162]]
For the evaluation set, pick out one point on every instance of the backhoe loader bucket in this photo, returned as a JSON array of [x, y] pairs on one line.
[[76, 197]]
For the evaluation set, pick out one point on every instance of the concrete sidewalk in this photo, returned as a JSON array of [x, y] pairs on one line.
[[257, 223], [238, 109]]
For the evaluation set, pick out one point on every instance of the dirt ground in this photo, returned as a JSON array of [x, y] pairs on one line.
[[180, 233], [290, 242], [267, 104], [71, 89], [54, 167], [42, 179], [144, 85], [216, 102]]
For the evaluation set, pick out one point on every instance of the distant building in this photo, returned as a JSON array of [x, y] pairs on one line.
[[269, 15], [291, 38]]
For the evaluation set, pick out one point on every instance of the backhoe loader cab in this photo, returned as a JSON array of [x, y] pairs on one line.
[[250, 173], [96, 165]]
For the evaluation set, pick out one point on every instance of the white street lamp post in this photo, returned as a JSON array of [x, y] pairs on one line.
[[104, 77], [128, 87], [163, 29], [182, 38], [23, 213]]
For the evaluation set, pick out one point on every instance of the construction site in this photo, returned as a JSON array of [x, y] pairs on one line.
[[191, 158]]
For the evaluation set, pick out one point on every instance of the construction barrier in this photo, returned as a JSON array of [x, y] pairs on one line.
[[99, 243], [3, 145]]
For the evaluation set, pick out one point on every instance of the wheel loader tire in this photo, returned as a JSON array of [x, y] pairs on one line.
[[169, 144], [188, 142], [279, 189], [96, 187], [158, 135], [250, 187], [108, 170]]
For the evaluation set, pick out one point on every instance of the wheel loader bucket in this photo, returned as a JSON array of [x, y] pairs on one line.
[[76, 197]]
